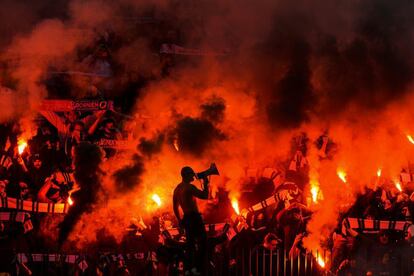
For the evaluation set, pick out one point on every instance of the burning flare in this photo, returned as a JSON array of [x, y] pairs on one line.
[[315, 192], [70, 201], [410, 138], [156, 198], [176, 146], [398, 185], [320, 261], [235, 205], [379, 171], [342, 175], [21, 146]]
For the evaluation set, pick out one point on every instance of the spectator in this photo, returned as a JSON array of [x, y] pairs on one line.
[[25, 193], [407, 253], [265, 256], [37, 173], [106, 136], [77, 135], [57, 187], [5, 162], [384, 255], [71, 128]]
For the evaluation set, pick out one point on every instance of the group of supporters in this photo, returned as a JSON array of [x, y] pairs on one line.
[[374, 236], [270, 232], [43, 170]]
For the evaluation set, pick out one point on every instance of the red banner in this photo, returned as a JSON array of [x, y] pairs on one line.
[[82, 105]]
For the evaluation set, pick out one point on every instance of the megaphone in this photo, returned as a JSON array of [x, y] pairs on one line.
[[210, 171]]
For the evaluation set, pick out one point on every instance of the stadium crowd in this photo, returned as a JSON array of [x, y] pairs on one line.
[[43, 172]]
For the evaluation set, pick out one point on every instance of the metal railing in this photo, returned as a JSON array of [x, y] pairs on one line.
[[261, 261], [246, 262]]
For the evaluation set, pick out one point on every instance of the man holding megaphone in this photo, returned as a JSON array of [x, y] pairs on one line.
[[185, 195]]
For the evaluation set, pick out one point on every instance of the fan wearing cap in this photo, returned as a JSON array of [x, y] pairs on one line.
[[185, 195]]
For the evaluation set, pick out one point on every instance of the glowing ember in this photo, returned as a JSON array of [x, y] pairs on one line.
[[342, 175], [21, 146], [70, 201], [379, 171], [235, 205], [156, 198], [410, 139]]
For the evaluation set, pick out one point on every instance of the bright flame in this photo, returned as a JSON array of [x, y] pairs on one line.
[[314, 191], [70, 201], [176, 146], [398, 185], [379, 171], [21, 145], [235, 205], [156, 198], [342, 175], [410, 138], [321, 261]]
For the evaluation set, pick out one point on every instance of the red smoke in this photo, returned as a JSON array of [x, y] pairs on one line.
[[289, 67]]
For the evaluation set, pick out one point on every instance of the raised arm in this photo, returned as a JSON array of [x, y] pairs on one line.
[[95, 124], [55, 120], [202, 194], [41, 195]]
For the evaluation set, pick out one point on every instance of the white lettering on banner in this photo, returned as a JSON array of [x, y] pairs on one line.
[[69, 105], [116, 144]]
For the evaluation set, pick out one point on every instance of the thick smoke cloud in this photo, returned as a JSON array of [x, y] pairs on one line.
[[88, 176], [213, 110], [149, 147], [293, 97], [195, 135], [345, 67], [128, 177]]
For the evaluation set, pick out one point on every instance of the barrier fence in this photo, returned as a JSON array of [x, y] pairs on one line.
[[261, 261], [258, 261]]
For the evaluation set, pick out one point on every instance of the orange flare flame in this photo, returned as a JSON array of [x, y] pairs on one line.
[[342, 175], [156, 198], [315, 192], [398, 185], [410, 138], [235, 205], [321, 261], [379, 171], [70, 201], [176, 146], [21, 146]]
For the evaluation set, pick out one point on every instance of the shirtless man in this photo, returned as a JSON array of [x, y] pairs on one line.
[[184, 197]]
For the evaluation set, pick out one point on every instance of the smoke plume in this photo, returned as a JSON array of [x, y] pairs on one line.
[[270, 69]]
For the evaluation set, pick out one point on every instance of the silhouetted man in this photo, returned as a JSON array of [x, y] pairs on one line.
[[185, 195]]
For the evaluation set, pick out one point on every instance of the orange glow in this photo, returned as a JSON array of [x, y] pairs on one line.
[[156, 198], [342, 175], [379, 171], [321, 261], [21, 146], [176, 146], [398, 185], [410, 138], [235, 205], [70, 201], [314, 192]]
